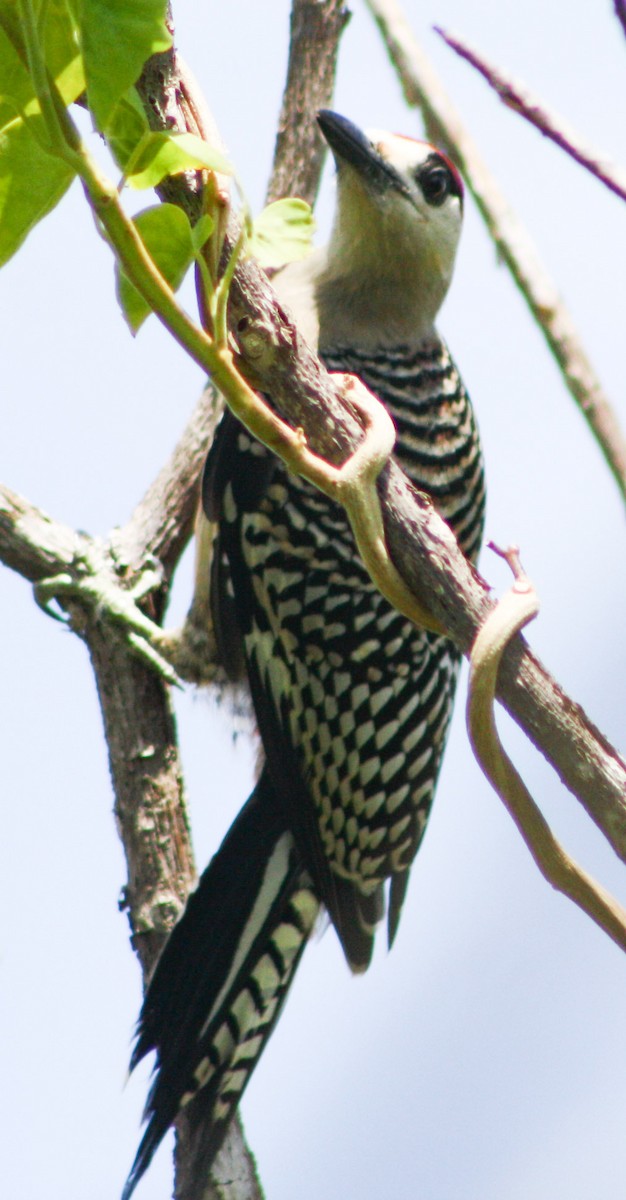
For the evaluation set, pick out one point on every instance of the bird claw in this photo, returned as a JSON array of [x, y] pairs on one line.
[[154, 659], [45, 591], [96, 589]]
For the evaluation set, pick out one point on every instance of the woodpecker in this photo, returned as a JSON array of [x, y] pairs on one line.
[[351, 699]]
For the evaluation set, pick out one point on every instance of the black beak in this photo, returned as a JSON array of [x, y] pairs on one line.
[[349, 145]]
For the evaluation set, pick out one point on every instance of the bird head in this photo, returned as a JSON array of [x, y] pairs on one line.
[[397, 223]]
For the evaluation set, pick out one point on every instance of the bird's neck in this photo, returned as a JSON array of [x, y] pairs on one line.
[[377, 300]]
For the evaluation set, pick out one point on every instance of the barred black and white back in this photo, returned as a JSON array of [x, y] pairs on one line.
[[352, 701]]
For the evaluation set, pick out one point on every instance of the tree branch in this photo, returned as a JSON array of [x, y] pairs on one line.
[[31, 542], [516, 608], [521, 100], [423, 89], [300, 149], [146, 773]]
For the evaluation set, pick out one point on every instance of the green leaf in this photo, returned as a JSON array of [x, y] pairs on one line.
[[12, 24], [32, 180], [171, 242], [282, 233], [61, 50], [117, 36], [31, 183], [171, 153], [61, 55]]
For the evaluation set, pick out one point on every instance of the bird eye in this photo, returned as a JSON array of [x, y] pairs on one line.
[[435, 181]]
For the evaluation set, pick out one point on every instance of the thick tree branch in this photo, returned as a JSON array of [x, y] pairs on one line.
[[300, 149], [423, 89], [149, 794]]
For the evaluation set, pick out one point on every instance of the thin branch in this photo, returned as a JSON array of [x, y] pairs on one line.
[[516, 96], [316, 28], [519, 606], [423, 89], [31, 542]]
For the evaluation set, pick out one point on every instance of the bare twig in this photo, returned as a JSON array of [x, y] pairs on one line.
[[550, 124], [514, 611], [299, 154], [423, 89]]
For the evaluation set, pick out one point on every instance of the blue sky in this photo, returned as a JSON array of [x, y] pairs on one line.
[[485, 1057]]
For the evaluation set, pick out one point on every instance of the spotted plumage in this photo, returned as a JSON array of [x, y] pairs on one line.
[[352, 700]]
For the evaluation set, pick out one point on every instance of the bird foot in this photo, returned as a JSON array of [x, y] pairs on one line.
[[90, 590]]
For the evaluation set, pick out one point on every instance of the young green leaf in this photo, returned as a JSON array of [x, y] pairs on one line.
[[169, 239], [31, 183], [59, 43], [32, 180], [61, 49], [164, 154], [282, 233], [117, 36]]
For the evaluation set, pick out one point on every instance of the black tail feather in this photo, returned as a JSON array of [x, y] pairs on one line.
[[222, 977]]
